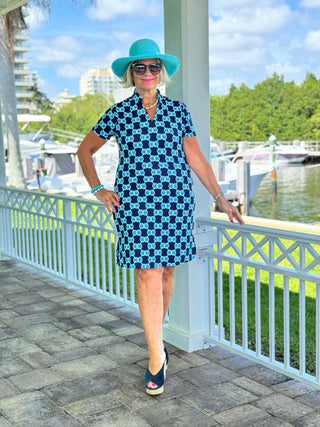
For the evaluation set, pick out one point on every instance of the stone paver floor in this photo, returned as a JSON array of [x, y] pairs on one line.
[[74, 358]]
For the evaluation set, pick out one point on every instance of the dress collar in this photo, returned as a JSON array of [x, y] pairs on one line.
[[139, 98]]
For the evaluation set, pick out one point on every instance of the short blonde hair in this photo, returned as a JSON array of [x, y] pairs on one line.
[[127, 79]]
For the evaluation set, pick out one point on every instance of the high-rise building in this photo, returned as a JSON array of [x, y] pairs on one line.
[[25, 79], [98, 80]]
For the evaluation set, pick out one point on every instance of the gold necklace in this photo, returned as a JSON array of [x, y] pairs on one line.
[[153, 105]]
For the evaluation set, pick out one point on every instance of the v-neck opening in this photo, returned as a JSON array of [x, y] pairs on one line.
[[154, 117], [140, 97]]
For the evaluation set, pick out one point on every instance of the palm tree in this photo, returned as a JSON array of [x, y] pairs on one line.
[[9, 23]]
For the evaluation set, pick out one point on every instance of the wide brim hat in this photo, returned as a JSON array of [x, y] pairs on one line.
[[143, 49]]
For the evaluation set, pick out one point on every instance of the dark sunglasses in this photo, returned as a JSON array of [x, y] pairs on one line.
[[141, 69]]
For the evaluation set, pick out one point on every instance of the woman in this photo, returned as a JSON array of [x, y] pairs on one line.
[[152, 201]]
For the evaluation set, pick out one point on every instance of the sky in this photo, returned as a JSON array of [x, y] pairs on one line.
[[249, 40]]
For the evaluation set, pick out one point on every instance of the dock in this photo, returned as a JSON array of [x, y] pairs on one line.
[[313, 157]]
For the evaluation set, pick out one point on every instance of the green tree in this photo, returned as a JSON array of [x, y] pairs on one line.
[[256, 133], [285, 109], [80, 114], [40, 101], [314, 121]]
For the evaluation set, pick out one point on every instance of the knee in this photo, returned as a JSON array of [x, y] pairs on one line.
[[168, 273], [149, 274]]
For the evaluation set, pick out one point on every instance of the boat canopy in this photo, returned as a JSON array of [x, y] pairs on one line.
[[28, 118]]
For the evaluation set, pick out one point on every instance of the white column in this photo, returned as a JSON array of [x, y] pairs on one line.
[[187, 37], [2, 152], [3, 225]]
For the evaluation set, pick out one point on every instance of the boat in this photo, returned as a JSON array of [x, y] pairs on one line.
[[275, 153], [225, 167], [229, 184], [216, 151], [40, 143], [63, 172]]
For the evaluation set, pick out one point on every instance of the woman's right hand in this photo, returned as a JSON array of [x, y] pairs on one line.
[[109, 198], [229, 209]]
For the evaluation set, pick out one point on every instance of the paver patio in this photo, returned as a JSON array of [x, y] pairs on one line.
[[75, 358]]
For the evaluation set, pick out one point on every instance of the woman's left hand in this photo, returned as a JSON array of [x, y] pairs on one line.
[[229, 209]]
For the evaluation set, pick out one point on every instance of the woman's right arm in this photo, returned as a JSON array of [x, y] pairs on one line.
[[88, 147]]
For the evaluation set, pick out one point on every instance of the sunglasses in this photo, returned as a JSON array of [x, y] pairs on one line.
[[141, 69]]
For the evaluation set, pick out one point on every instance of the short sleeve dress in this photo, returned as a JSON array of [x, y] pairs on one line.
[[156, 215]]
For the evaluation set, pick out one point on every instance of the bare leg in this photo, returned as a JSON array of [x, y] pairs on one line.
[[150, 299], [167, 288]]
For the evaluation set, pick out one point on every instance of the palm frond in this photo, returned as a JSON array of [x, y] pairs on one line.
[[43, 4], [14, 21]]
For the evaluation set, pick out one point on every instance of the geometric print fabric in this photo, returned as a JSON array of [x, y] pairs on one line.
[[156, 215]]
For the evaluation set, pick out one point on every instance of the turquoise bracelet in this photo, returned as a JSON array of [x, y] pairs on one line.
[[96, 189], [219, 195]]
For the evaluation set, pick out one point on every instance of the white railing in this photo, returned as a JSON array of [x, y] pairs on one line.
[[311, 146], [265, 295], [69, 237], [264, 283]]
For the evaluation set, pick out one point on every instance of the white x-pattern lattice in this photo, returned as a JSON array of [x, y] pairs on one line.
[[276, 261], [37, 203], [69, 237], [94, 216], [264, 249]]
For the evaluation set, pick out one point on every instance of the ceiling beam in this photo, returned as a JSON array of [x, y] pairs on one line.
[[8, 5]]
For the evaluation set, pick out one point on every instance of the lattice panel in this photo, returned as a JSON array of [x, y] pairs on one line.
[[94, 216], [269, 251], [40, 204], [230, 244], [312, 255]]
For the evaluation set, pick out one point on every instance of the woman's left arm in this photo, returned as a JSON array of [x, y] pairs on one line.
[[201, 167]]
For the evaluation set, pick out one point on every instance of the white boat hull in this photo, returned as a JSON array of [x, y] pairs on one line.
[[280, 158], [278, 154], [230, 187]]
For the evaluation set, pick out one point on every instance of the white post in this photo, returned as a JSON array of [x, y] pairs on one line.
[[68, 246], [187, 37], [2, 153], [2, 183], [2, 225]]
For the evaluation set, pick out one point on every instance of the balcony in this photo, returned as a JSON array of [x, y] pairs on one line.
[[23, 83], [21, 49], [23, 95], [23, 72], [22, 37], [21, 60], [23, 105], [70, 317]]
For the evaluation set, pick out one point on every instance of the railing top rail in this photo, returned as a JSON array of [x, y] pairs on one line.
[[256, 229], [59, 196]]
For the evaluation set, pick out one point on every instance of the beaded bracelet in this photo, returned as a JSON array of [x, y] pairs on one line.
[[219, 195], [96, 189]]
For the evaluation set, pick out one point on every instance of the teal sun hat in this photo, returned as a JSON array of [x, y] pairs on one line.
[[143, 49]]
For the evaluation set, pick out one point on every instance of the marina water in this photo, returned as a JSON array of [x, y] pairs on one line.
[[297, 197]]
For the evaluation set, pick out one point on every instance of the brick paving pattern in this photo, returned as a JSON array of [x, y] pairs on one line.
[[74, 358]]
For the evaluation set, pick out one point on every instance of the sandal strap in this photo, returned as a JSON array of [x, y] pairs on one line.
[[157, 379], [167, 356]]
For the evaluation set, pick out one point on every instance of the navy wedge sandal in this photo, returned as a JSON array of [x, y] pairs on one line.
[[157, 379]]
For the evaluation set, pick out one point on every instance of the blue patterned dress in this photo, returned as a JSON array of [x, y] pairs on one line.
[[156, 214]]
